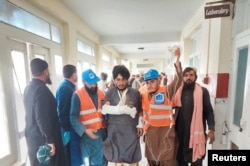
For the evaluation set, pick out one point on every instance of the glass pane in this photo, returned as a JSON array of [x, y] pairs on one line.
[[93, 51], [84, 48], [240, 85], [191, 62], [56, 34], [115, 62], [106, 69], [19, 78], [4, 136], [86, 65], [19, 70], [40, 56], [79, 73], [58, 65], [92, 66], [18, 17], [105, 57]]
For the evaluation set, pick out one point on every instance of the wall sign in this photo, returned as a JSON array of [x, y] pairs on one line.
[[217, 11]]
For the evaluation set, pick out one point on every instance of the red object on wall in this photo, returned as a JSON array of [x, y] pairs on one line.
[[222, 85]]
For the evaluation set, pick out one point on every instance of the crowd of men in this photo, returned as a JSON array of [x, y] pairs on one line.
[[92, 126]]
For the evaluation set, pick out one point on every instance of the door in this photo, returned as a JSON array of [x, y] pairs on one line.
[[240, 94]]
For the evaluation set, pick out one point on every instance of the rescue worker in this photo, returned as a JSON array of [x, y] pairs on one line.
[[87, 119], [160, 136], [124, 121]]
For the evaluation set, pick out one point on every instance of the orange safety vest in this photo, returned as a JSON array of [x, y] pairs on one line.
[[90, 117], [158, 110]]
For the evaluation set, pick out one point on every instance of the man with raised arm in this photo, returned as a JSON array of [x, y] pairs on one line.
[[160, 138], [194, 113]]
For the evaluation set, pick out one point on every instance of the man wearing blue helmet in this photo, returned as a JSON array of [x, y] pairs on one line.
[[87, 120], [158, 115]]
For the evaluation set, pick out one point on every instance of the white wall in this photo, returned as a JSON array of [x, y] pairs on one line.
[[220, 39], [216, 51]]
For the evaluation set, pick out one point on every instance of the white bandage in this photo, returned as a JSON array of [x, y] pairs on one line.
[[140, 122], [109, 109], [118, 110]]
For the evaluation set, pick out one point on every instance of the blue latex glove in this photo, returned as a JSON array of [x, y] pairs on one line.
[[66, 138]]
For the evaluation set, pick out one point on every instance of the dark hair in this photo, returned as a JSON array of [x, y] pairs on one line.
[[188, 69], [104, 76], [37, 66], [68, 71], [122, 70]]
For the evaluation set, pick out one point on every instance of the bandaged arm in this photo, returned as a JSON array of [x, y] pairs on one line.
[[119, 110]]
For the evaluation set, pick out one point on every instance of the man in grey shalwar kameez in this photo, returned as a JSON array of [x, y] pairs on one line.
[[123, 114]]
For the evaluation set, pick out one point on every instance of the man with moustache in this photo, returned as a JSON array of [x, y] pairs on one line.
[[87, 120], [194, 112], [41, 118], [124, 121], [64, 93]]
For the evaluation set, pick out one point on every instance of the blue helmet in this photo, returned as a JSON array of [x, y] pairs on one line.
[[90, 77], [151, 74]]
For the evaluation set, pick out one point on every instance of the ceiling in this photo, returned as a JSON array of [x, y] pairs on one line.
[[128, 25]]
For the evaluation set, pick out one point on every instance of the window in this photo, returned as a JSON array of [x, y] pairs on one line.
[[85, 48], [106, 63], [40, 56], [79, 74], [92, 66], [240, 85], [22, 19], [18, 70], [4, 136], [19, 74], [85, 65], [105, 57], [56, 34], [115, 62], [194, 58], [58, 65]]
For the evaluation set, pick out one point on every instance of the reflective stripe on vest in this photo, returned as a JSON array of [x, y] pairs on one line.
[[87, 122], [161, 107], [145, 120], [160, 117], [85, 112]]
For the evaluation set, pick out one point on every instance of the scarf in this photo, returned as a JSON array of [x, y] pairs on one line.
[[197, 137]]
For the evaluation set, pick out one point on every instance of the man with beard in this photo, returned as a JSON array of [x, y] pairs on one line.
[[87, 120], [64, 93], [124, 126], [42, 125], [194, 112]]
